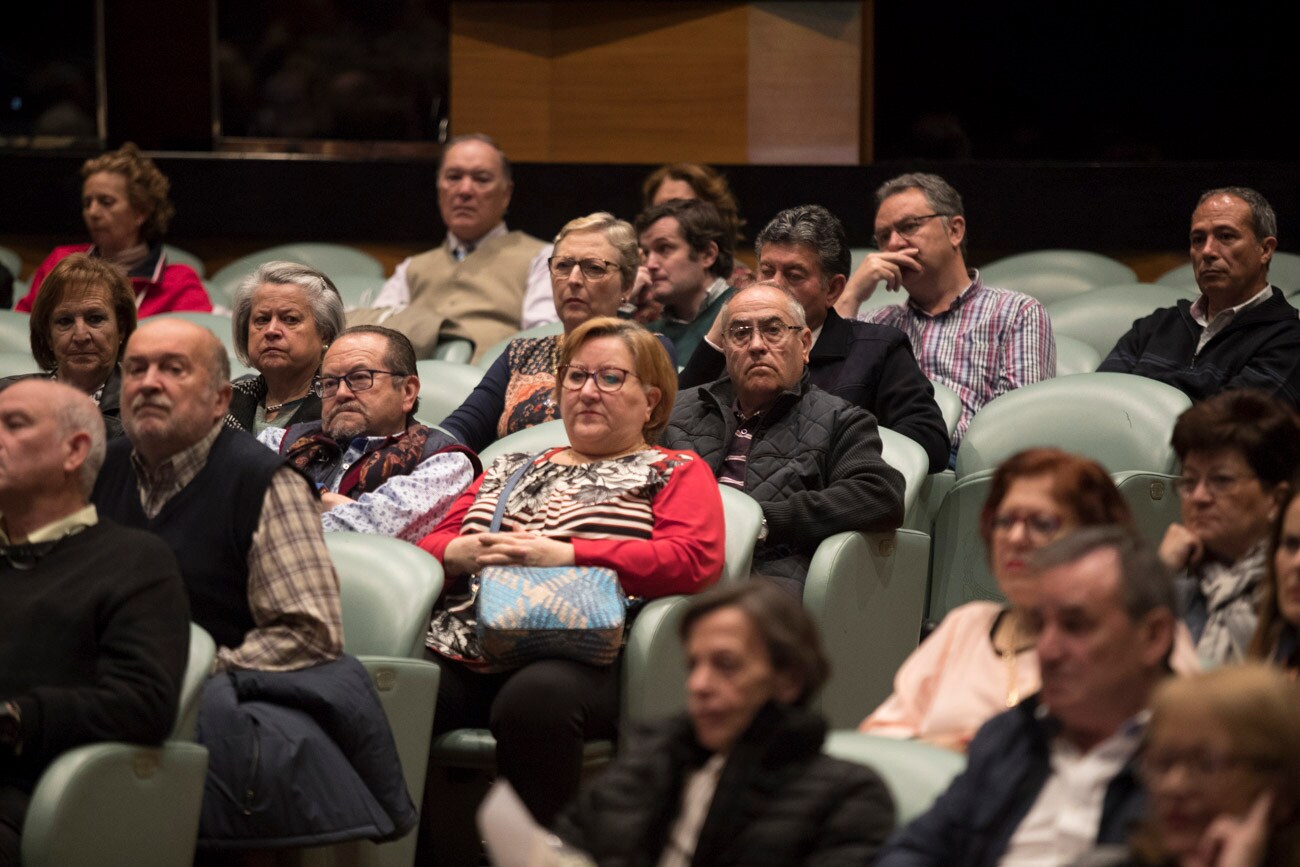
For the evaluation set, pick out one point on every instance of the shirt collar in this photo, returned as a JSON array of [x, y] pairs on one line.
[[181, 468], [455, 244], [1201, 306], [75, 522], [716, 288], [972, 289]]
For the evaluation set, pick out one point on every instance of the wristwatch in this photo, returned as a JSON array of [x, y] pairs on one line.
[[11, 727], [762, 530]]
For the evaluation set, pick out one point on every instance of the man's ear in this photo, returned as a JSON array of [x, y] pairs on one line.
[[1269, 246], [956, 230], [76, 448], [1156, 637], [410, 391], [835, 288], [710, 255]]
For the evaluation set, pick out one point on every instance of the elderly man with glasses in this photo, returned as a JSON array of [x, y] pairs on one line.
[[979, 341], [812, 460], [378, 469]]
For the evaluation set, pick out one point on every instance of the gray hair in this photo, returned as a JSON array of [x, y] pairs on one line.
[[1145, 582], [792, 305], [76, 412], [939, 195], [1263, 220], [619, 233], [322, 296], [506, 172], [819, 229]]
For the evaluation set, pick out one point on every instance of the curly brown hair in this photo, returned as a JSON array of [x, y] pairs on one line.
[[147, 188], [80, 275], [709, 186]]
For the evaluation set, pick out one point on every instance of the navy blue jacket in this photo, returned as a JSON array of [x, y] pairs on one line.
[[1007, 765], [871, 366], [1260, 348]]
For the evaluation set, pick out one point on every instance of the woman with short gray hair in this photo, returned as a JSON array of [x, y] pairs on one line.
[[285, 317]]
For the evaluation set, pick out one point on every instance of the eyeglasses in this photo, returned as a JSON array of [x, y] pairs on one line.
[[592, 269], [607, 379], [357, 380], [774, 332], [904, 228], [1040, 527], [1200, 767], [1215, 483]]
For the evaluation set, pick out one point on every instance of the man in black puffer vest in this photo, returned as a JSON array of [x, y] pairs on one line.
[[812, 460], [379, 470]]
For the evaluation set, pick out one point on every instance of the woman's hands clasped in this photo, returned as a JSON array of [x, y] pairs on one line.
[[466, 555]]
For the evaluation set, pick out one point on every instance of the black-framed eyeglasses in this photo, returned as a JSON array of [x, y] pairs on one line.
[[1216, 484], [592, 268], [904, 228], [357, 380], [607, 379], [774, 332]]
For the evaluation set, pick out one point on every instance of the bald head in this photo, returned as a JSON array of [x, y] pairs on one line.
[[51, 445], [175, 387]]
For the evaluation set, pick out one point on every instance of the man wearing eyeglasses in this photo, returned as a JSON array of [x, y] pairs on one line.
[[484, 282], [378, 469], [244, 527], [811, 460], [978, 340], [804, 249], [1242, 332]]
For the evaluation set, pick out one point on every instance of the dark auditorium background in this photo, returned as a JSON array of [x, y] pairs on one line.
[[1090, 126]]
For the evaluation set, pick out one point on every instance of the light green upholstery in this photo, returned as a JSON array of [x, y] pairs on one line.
[[744, 520], [357, 290], [1075, 356], [178, 256], [332, 259], [15, 332], [492, 352], [13, 262], [454, 349], [1050, 275], [387, 589], [866, 592], [444, 385], [949, 404], [915, 772], [1121, 421], [1101, 317], [16, 363], [908, 457], [120, 804], [530, 440], [1283, 272]]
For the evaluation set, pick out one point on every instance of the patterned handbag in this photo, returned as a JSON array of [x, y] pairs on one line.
[[527, 613]]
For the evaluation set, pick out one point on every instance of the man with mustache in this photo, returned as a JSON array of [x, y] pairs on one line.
[[1241, 332], [812, 460], [244, 527], [379, 470], [483, 283]]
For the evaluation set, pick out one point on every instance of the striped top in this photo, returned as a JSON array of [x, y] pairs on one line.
[[988, 342]]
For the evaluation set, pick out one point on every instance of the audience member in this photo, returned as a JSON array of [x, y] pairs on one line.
[[805, 251], [687, 251], [1241, 332], [260, 580], [740, 777], [1221, 766], [379, 470], [1277, 638], [981, 659], [1053, 776], [484, 282], [698, 181], [592, 273], [610, 499], [126, 211], [977, 340], [94, 626], [811, 460], [285, 316], [1239, 450], [79, 326]]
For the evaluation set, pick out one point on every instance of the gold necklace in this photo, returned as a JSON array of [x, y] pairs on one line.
[[1009, 658]]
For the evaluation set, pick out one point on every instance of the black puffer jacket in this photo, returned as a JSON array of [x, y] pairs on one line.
[[779, 799], [814, 466]]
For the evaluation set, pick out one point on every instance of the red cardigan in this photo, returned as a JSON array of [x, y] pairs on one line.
[[169, 289], [684, 555]]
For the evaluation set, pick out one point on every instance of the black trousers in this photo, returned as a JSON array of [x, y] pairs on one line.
[[13, 808]]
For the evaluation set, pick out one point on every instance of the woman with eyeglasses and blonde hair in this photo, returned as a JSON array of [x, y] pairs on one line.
[[981, 660], [1238, 450], [611, 498], [593, 270]]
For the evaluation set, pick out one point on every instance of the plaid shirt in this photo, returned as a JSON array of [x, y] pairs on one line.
[[988, 342], [293, 591]]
